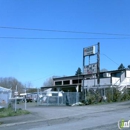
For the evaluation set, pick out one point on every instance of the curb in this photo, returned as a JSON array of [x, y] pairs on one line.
[[45, 121]]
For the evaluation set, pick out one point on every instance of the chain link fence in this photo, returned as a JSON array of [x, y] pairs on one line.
[[58, 98], [108, 94]]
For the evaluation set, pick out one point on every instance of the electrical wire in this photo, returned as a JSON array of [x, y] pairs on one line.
[[63, 31], [43, 38], [110, 59]]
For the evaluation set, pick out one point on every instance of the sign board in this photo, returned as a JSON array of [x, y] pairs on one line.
[[15, 93], [90, 69], [89, 51]]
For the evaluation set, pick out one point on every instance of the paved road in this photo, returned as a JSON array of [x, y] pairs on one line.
[[96, 117]]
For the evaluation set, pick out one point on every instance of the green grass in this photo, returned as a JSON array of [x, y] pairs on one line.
[[7, 112], [1, 123]]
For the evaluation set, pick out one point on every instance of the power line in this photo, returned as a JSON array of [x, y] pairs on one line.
[[63, 31], [43, 78], [110, 59], [43, 38]]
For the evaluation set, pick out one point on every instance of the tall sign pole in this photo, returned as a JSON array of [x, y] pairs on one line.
[[89, 69], [92, 68], [83, 89], [98, 64]]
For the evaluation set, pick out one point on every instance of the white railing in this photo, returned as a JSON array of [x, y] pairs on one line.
[[124, 84], [123, 76], [117, 82]]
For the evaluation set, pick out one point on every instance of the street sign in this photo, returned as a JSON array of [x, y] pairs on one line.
[[16, 93]]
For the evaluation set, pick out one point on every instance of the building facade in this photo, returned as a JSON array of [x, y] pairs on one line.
[[119, 78]]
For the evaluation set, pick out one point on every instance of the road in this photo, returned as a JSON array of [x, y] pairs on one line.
[[95, 117]]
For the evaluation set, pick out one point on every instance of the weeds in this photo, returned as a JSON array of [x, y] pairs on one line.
[[6, 112]]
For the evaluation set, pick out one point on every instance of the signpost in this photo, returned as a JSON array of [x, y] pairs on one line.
[[25, 99], [89, 51], [91, 68]]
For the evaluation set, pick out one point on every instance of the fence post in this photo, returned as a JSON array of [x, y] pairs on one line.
[[112, 93], [62, 98], [77, 90], [47, 100], [58, 97], [38, 97]]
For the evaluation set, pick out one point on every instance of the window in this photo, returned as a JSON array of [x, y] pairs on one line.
[[66, 82], [58, 83], [76, 81]]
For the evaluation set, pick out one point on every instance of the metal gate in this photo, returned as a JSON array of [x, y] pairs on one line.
[[64, 98]]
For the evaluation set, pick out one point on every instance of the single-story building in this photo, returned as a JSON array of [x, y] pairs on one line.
[[5, 95]]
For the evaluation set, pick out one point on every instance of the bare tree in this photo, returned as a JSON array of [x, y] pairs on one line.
[[29, 85], [11, 83], [48, 82], [31, 90]]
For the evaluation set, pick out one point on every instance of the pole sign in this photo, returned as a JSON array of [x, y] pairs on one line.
[[90, 69], [89, 51], [15, 93]]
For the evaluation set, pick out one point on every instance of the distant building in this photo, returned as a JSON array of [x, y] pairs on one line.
[[5, 95]]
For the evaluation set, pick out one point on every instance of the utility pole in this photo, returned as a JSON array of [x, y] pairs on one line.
[[83, 90], [98, 68], [98, 64]]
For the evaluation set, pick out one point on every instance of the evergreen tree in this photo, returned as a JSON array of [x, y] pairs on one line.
[[128, 66], [121, 67], [78, 72]]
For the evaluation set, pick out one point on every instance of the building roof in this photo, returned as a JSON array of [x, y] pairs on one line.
[[60, 86], [2, 89], [68, 77], [81, 76]]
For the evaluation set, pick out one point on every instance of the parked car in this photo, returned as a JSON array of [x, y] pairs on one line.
[[27, 96], [29, 99], [51, 96]]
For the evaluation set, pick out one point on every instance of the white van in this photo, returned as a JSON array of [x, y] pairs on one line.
[[51, 95], [54, 93]]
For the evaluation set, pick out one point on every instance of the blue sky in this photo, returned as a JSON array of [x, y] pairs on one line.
[[34, 61]]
